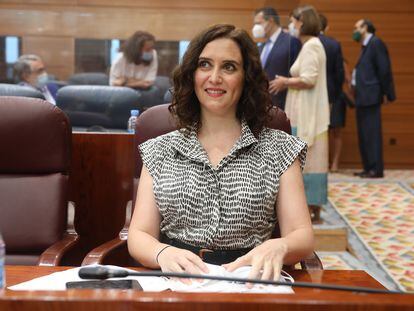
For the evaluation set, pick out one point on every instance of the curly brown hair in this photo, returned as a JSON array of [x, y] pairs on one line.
[[254, 103], [132, 47]]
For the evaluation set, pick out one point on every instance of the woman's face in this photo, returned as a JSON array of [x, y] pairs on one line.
[[218, 79], [296, 23], [148, 46]]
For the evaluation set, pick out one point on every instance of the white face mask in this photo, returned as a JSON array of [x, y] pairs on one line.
[[146, 56], [293, 31], [258, 31], [42, 79]]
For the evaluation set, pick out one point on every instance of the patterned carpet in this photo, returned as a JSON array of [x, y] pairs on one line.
[[338, 261], [382, 215]]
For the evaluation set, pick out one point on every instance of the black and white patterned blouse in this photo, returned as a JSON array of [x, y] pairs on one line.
[[231, 206]]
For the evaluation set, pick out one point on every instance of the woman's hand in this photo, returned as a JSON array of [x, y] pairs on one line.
[[265, 259], [174, 259], [278, 84]]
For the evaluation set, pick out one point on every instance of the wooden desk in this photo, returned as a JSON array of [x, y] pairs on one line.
[[303, 299]]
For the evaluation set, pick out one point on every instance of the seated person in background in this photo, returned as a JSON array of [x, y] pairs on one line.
[[29, 70], [218, 186], [137, 64]]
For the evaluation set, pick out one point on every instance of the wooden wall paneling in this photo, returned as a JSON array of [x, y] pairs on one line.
[[58, 53], [107, 23], [44, 2], [395, 156], [358, 6], [181, 19], [250, 5]]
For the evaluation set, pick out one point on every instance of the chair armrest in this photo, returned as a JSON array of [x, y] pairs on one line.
[[98, 254], [312, 263], [53, 255]]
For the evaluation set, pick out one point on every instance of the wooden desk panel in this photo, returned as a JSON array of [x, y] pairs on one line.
[[100, 185], [303, 299]]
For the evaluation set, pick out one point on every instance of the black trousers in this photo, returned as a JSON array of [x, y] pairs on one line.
[[370, 138]]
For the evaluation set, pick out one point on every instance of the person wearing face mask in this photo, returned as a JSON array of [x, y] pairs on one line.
[[373, 84], [30, 71], [136, 65], [307, 104], [277, 53]]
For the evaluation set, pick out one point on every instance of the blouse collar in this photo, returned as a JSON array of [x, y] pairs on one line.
[[187, 144]]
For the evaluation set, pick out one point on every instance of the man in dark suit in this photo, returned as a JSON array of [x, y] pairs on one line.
[[278, 52], [373, 83], [335, 79]]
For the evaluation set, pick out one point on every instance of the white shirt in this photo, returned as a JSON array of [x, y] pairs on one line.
[[122, 68]]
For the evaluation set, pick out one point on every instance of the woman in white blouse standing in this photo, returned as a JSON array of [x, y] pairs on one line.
[[307, 103], [137, 64]]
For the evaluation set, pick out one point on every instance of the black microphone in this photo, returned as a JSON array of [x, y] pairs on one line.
[[102, 272]]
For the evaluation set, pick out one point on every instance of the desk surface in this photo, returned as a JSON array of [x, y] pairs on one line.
[[303, 299]]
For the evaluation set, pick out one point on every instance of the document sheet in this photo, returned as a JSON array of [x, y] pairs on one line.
[[58, 280]]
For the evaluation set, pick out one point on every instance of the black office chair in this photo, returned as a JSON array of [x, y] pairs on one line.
[[90, 105], [19, 90], [89, 78]]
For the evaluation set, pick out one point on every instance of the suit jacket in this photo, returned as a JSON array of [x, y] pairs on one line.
[[282, 56], [334, 67], [373, 75]]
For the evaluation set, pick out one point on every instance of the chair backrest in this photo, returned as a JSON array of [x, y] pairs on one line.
[[157, 121], [107, 106], [19, 90], [163, 83], [89, 78], [35, 140]]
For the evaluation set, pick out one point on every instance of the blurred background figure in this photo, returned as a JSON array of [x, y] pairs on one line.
[[136, 65], [277, 53], [373, 83], [335, 79], [29, 70], [307, 104]]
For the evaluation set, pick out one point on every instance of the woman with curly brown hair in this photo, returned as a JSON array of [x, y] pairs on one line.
[[137, 64], [216, 187]]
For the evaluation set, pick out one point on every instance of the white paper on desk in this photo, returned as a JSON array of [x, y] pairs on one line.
[[58, 280], [214, 286]]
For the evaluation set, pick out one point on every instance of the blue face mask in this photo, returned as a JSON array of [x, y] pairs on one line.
[[146, 56], [42, 79]]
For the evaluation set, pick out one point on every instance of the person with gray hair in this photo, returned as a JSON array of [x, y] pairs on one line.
[[29, 70]]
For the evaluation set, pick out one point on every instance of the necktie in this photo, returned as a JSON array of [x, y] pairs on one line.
[[266, 52]]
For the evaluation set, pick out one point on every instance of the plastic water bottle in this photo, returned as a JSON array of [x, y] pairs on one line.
[[133, 120], [2, 260]]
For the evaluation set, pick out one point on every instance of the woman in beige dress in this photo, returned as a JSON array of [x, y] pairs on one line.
[[307, 103]]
